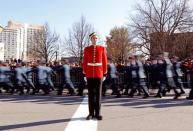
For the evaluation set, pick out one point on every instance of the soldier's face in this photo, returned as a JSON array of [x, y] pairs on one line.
[[154, 61], [94, 39]]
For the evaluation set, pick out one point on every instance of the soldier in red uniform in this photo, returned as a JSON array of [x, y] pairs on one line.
[[95, 70]]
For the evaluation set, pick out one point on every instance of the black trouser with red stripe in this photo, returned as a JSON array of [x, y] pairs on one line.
[[94, 95]]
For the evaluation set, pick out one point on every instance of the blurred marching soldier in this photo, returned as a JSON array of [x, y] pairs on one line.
[[50, 74], [94, 68], [32, 74], [57, 79], [66, 81], [157, 77], [128, 74], [189, 66], [43, 74], [190, 96], [132, 70], [142, 76], [29, 73], [110, 79], [178, 73], [170, 74], [21, 78], [5, 81], [81, 84], [139, 76], [121, 78]]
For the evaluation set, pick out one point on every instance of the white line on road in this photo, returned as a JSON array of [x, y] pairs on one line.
[[79, 122]]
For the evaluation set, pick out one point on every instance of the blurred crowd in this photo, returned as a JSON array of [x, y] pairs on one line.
[[134, 77]]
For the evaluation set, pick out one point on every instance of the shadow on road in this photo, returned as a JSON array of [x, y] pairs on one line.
[[52, 99], [165, 102], [39, 123]]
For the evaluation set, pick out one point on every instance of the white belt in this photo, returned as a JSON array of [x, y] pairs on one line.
[[94, 64]]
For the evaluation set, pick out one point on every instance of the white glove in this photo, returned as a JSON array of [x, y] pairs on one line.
[[85, 79], [104, 78]]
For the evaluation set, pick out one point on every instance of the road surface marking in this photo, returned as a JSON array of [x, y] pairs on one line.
[[79, 122]]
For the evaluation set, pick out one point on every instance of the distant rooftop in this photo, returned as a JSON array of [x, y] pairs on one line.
[[14, 25]]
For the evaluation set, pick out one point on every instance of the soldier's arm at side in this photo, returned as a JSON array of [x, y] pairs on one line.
[[104, 60], [84, 63]]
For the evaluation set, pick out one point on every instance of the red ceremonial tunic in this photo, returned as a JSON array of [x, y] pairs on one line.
[[95, 61]]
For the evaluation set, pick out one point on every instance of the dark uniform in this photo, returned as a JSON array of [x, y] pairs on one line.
[[138, 78], [111, 79], [188, 64], [178, 76], [170, 77], [128, 76], [81, 84], [20, 79], [191, 85], [157, 76], [43, 81], [29, 73], [5, 81], [66, 81]]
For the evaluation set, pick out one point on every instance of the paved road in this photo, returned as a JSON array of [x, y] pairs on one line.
[[54, 113], [36, 113]]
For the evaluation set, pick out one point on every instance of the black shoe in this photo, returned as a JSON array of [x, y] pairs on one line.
[[28, 92], [103, 94], [33, 93], [45, 94], [52, 89], [164, 92], [80, 94], [182, 92], [21, 93], [158, 95], [177, 95], [72, 94], [146, 96], [189, 98], [12, 92], [89, 117], [99, 117], [126, 93], [118, 95], [59, 93], [139, 93], [130, 95], [113, 93]]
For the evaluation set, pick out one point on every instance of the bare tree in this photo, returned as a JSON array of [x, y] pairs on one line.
[[78, 38], [184, 47], [44, 44], [157, 21], [118, 45]]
